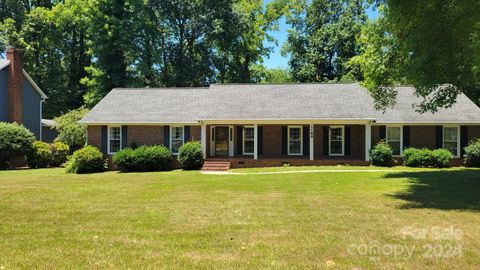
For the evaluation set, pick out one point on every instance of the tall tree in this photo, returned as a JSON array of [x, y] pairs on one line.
[[323, 38], [439, 47]]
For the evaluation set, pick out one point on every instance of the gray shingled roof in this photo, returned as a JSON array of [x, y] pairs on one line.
[[265, 102]]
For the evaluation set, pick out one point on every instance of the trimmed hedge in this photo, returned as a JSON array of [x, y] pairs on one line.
[[472, 154], [143, 159], [439, 158], [190, 156], [41, 155], [381, 155], [60, 152], [86, 160], [15, 141]]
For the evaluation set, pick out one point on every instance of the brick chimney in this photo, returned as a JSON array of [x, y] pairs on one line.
[[15, 89]]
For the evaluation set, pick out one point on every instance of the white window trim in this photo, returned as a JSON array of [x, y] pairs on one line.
[[401, 137], [171, 137], [330, 141], [458, 138], [108, 139], [301, 141], [243, 141]]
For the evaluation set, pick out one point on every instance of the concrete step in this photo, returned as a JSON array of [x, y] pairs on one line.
[[215, 165]]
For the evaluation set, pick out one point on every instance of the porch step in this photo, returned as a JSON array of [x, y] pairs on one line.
[[216, 165]]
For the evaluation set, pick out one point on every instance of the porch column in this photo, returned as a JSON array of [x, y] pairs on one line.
[[311, 141], [368, 141], [203, 136], [255, 142]]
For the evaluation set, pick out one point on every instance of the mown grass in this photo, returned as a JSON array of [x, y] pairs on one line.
[[187, 220]]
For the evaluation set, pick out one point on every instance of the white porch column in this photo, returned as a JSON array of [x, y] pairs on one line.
[[311, 141], [203, 136], [255, 142], [368, 141]]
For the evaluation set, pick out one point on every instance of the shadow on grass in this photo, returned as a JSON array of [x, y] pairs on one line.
[[445, 190]]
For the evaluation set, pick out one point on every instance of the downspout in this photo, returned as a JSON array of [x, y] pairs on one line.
[[41, 117]]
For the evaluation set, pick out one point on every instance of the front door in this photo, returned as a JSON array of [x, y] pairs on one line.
[[221, 141]]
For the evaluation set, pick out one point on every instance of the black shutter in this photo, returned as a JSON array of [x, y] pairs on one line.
[[124, 137], [439, 136], [239, 140], [166, 136], [284, 140], [104, 145], [306, 140], [325, 141], [347, 141], [186, 133], [260, 140], [382, 133], [463, 139], [406, 137]]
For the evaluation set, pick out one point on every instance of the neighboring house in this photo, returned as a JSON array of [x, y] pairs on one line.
[[20, 97], [270, 125], [49, 134]]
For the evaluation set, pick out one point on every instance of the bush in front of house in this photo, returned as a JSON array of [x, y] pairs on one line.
[[15, 142], [190, 156], [438, 158], [40, 156], [70, 131], [143, 159], [381, 155], [86, 160], [414, 157], [60, 152], [472, 154], [441, 158]]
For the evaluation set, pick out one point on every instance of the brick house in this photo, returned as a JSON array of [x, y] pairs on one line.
[[20, 97], [269, 125]]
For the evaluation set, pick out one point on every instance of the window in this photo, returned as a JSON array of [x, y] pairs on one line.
[[450, 139], [176, 139], [295, 141], [248, 140], [114, 139], [394, 139], [336, 136]]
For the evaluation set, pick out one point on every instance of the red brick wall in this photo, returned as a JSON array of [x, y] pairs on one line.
[[15, 90], [195, 133], [473, 132], [272, 141], [145, 135], [423, 136], [94, 136]]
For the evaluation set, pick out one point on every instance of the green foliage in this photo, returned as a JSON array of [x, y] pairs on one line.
[[41, 155], [143, 159], [276, 76], [382, 155], [472, 154], [15, 142], [60, 152], [323, 38], [70, 131], [190, 155], [86, 160], [438, 158], [426, 44]]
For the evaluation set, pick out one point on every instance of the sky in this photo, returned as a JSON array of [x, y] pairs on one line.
[[276, 60]]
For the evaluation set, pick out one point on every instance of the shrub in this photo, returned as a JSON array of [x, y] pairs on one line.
[[40, 156], [86, 160], [190, 156], [472, 154], [70, 131], [381, 155], [439, 158], [413, 157], [60, 153], [15, 141], [143, 159]]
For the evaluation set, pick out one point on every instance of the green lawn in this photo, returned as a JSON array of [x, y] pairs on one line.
[[187, 220]]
